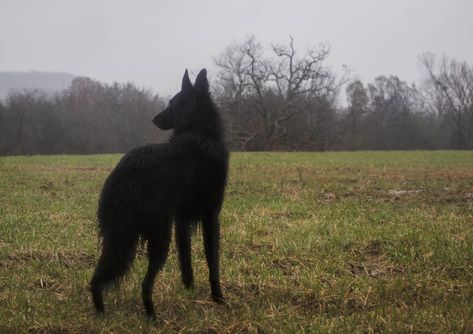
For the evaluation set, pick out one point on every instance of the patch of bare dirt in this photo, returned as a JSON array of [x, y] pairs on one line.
[[288, 265], [372, 262]]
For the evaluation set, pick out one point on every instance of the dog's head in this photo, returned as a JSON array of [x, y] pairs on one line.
[[180, 107]]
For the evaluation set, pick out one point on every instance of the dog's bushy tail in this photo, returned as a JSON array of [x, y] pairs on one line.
[[119, 243]]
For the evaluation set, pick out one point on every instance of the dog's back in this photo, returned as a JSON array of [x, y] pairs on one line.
[[185, 178]]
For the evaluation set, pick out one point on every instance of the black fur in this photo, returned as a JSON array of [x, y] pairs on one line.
[[155, 186]]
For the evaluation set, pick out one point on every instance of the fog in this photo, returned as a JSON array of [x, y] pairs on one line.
[[151, 42]]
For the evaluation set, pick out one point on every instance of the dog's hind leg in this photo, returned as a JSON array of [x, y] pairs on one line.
[[183, 243], [118, 252], [211, 231], [158, 249]]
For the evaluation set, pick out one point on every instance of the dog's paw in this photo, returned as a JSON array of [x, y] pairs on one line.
[[219, 299], [188, 284]]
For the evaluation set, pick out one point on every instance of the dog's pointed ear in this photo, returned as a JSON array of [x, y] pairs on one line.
[[186, 82], [201, 82]]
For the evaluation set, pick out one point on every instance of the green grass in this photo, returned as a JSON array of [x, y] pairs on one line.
[[311, 242]]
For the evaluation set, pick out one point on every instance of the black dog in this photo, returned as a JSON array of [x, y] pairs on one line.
[[154, 186]]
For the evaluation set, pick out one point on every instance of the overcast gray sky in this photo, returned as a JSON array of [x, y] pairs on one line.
[[151, 42]]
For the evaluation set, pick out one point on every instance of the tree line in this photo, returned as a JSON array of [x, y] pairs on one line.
[[274, 99], [88, 117], [271, 98]]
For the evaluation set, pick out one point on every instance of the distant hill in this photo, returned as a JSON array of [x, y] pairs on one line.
[[50, 82]]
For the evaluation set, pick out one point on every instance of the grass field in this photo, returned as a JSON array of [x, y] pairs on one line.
[[311, 242]]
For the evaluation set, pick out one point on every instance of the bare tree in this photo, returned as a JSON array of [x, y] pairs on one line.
[[262, 91], [394, 107], [451, 93], [352, 131]]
